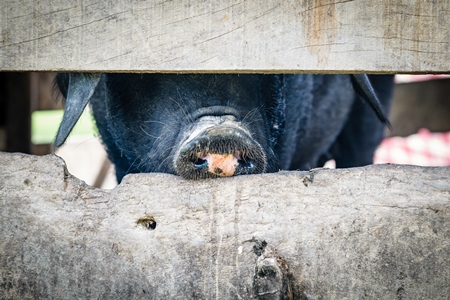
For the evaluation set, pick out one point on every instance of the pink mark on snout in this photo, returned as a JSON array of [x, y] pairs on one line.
[[223, 165]]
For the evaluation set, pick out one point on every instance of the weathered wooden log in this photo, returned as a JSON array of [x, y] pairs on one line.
[[378, 232]]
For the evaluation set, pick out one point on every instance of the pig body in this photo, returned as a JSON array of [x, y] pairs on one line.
[[212, 125]]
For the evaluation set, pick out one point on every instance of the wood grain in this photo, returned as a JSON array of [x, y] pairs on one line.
[[377, 232], [226, 36]]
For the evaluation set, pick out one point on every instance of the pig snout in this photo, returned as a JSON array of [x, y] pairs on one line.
[[220, 151]]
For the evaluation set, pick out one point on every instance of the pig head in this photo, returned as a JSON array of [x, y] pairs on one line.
[[213, 125]]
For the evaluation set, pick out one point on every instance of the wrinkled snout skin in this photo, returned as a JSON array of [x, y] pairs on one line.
[[208, 126], [219, 146]]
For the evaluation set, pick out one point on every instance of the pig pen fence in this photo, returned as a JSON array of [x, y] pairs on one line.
[[373, 232]]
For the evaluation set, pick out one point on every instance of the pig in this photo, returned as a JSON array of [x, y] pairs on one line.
[[202, 126]]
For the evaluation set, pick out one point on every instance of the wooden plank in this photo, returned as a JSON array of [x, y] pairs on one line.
[[378, 232], [226, 36]]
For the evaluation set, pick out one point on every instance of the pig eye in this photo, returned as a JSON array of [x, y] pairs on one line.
[[200, 163]]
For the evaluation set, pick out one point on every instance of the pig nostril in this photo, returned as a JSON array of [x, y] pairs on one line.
[[220, 151], [245, 164], [200, 163]]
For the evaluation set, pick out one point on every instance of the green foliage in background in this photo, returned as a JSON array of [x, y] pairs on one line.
[[45, 123]]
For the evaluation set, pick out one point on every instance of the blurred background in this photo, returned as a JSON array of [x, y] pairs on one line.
[[30, 115]]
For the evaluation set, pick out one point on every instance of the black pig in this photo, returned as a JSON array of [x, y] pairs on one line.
[[206, 126]]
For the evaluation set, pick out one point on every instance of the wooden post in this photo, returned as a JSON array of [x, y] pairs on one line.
[[18, 116]]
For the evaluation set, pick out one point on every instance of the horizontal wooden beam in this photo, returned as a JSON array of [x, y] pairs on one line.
[[401, 36], [378, 232]]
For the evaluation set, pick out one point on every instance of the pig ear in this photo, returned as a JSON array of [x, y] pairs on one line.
[[364, 88], [79, 90]]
